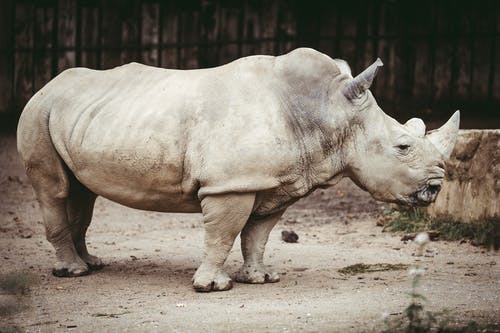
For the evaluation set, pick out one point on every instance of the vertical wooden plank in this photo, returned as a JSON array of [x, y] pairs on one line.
[[492, 10], [384, 89], [361, 56], [287, 27], [150, 33], [496, 59], [209, 33], [78, 37], [422, 29], [328, 29], [260, 27], [6, 56], [404, 62], [461, 84], [445, 70], [442, 74], [170, 19], [348, 30], [373, 27], [188, 36], [228, 33], [23, 70], [250, 29], [160, 34], [456, 28], [482, 49], [308, 25], [55, 40], [130, 25], [481, 68], [392, 52], [66, 34], [267, 27], [89, 34], [110, 40], [367, 36], [43, 44]]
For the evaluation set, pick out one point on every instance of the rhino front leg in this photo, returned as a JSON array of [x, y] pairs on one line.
[[224, 216], [253, 242]]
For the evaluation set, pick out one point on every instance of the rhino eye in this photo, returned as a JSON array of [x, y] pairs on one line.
[[403, 148]]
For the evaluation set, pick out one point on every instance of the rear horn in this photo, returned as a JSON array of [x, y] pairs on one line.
[[358, 85]]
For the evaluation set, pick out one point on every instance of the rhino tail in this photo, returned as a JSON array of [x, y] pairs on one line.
[[42, 163]]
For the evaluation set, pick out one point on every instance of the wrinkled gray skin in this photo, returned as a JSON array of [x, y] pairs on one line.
[[238, 143]]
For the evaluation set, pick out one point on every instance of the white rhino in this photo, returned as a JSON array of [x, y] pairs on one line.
[[238, 143]]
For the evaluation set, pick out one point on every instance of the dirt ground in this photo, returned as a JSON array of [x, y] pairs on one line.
[[151, 258]]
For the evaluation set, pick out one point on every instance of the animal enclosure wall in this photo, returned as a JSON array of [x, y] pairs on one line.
[[438, 55]]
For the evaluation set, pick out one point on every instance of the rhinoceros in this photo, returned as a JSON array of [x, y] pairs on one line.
[[238, 143]]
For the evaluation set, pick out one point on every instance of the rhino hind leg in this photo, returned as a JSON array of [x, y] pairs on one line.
[[224, 216], [51, 181], [80, 205], [68, 263], [253, 242], [58, 226], [66, 215]]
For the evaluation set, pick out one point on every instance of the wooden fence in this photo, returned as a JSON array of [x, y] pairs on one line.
[[438, 55]]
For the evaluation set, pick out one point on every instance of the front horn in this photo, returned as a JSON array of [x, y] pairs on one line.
[[358, 85], [444, 138]]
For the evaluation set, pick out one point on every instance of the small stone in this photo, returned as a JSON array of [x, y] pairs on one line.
[[289, 236], [26, 234]]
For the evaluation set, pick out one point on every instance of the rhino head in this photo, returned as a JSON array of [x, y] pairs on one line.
[[395, 162]]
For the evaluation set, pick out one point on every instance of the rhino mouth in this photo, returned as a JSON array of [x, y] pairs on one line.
[[426, 195]]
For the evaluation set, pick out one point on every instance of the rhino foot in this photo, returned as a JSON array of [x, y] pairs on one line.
[[256, 274], [93, 262], [205, 281], [72, 270]]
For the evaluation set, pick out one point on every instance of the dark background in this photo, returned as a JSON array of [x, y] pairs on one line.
[[439, 55]]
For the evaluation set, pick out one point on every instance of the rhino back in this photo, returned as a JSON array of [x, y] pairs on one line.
[[151, 138]]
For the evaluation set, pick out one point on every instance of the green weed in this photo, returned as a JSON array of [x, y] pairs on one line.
[[411, 220]]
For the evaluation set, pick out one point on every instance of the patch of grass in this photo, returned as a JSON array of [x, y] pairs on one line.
[[410, 220], [366, 268]]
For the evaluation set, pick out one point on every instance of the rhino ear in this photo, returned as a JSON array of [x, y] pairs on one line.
[[358, 85], [343, 66], [416, 126], [444, 138]]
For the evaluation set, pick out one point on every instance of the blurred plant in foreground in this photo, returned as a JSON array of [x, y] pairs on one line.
[[415, 318]]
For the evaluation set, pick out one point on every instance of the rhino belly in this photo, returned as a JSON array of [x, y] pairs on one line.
[[121, 182], [132, 161]]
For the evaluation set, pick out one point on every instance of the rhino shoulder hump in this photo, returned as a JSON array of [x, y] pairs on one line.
[[308, 62]]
